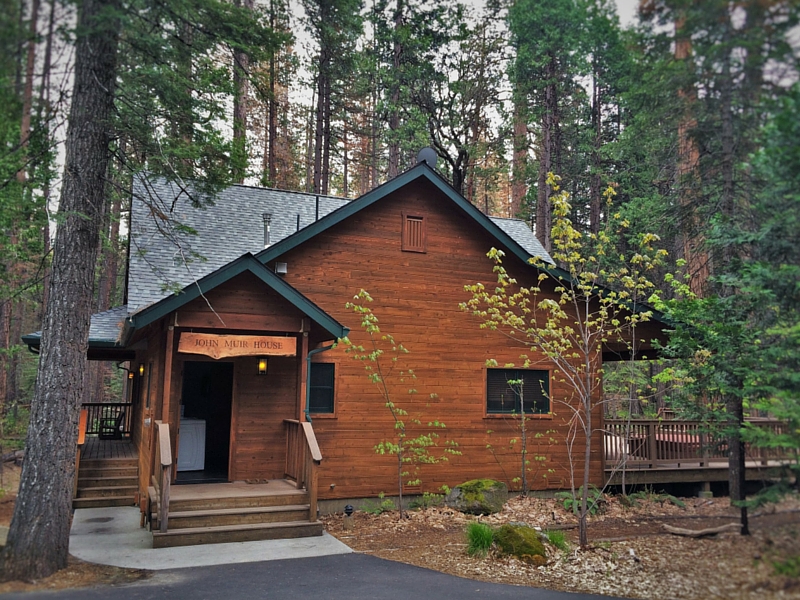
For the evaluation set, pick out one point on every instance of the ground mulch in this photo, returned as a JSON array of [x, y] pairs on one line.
[[630, 554]]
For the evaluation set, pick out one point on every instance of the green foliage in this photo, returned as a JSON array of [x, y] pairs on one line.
[[414, 443], [430, 499], [790, 567], [479, 538], [572, 502], [521, 541], [557, 539], [376, 508], [649, 495]]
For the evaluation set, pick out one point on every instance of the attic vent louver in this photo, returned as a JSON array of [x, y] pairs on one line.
[[267, 220]]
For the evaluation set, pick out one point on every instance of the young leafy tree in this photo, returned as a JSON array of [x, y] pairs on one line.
[[595, 297], [414, 443]]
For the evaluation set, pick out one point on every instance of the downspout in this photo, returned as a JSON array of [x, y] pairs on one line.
[[308, 376]]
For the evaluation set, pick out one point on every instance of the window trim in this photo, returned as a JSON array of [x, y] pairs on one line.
[[505, 415], [405, 246], [325, 415]]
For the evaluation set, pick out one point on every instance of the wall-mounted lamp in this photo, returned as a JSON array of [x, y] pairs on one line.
[[130, 374], [141, 369], [262, 365]]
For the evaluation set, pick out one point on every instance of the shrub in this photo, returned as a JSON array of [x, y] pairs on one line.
[[375, 508], [479, 538]]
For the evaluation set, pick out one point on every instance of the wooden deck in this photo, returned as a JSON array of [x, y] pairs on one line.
[[688, 473], [97, 449]]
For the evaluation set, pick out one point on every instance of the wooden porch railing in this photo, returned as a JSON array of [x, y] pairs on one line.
[[302, 460], [163, 474], [81, 442], [108, 420], [652, 444]]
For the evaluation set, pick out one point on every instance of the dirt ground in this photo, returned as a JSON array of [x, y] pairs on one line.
[[78, 574], [630, 555]]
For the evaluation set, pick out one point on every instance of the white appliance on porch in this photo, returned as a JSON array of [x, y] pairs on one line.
[[192, 445]]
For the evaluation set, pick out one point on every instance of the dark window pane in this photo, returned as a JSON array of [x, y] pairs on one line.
[[321, 390], [505, 398]]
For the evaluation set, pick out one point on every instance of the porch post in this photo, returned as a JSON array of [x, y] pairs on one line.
[[303, 372], [167, 387]]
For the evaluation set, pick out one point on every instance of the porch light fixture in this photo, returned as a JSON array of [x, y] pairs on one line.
[[141, 369], [262, 365], [130, 374]]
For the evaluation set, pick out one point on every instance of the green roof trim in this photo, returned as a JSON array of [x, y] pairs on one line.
[[246, 262], [420, 171]]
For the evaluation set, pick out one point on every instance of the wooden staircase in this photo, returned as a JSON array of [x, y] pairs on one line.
[[106, 482], [234, 513]]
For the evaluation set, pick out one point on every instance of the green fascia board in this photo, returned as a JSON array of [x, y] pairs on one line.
[[34, 340], [246, 262], [420, 171]]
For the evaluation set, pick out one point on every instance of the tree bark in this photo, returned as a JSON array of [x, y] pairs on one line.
[[27, 94], [736, 460], [519, 164], [394, 95], [38, 538], [241, 64]]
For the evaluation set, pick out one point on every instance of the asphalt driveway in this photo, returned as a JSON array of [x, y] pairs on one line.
[[337, 577]]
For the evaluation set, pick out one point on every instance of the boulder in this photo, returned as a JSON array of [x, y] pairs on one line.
[[478, 497], [521, 541]]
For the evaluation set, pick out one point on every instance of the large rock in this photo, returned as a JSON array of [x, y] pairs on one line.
[[522, 542], [478, 497]]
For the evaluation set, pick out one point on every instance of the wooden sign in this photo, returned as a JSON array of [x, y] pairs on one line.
[[222, 346]]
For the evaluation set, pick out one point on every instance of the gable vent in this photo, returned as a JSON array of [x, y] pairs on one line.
[[414, 233]]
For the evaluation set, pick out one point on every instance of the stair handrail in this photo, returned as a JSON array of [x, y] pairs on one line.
[[164, 462], [303, 458], [81, 441]]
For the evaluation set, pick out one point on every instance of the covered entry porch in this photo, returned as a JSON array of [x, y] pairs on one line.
[[226, 450]]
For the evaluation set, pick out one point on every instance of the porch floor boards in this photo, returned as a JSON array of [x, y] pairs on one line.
[[96, 449], [235, 489]]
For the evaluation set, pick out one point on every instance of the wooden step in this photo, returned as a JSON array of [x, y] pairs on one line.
[[108, 471], [116, 491], [188, 504], [238, 516], [236, 533], [100, 502], [95, 482], [109, 463]]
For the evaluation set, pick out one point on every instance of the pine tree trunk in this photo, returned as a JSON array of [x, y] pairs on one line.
[[38, 539], [519, 168], [736, 460], [394, 96], [27, 95], [595, 193], [241, 65]]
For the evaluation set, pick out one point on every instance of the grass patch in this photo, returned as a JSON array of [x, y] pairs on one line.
[[789, 567], [479, 538], [557, 539]]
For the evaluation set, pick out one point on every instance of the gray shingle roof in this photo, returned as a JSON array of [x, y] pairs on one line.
[[105, 328], [522, 234], [165, 258]]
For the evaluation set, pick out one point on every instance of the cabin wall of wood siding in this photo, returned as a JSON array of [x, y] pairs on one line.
[[416, 298]]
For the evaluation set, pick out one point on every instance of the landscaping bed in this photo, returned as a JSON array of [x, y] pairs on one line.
[[630, 555]]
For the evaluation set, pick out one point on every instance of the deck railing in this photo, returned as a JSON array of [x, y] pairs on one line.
[[163, 474], [79, 452], [302, 460], [108, 420], [652, 444]]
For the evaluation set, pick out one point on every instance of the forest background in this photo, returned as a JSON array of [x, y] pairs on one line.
[[688, 111]]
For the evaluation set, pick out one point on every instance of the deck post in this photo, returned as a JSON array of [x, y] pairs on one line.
[[303, 374], [652, 445], [165, 401]]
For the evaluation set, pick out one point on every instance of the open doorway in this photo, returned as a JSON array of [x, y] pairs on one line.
[[205, 432]]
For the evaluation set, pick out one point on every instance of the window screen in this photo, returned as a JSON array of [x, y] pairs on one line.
[[506, 398], [321, 390]]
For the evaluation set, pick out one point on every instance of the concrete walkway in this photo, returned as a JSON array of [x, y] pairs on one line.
[[112, 536]]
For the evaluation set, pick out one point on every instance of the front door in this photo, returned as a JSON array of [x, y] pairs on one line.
[[205, 429]]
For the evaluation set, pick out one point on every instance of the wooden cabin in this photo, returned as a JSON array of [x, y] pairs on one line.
[[237, 392]]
